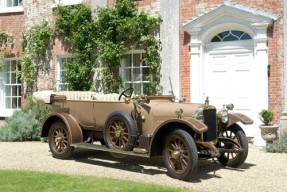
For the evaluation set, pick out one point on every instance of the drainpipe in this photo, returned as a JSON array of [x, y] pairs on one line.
[[283, 119]]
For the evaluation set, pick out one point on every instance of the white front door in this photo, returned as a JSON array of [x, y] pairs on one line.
[[229, 78]]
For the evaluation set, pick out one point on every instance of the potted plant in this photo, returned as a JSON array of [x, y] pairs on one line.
[[269, 131]]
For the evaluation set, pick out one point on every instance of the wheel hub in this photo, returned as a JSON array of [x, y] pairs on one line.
[[59, 140], [118, 133], [175, 155]]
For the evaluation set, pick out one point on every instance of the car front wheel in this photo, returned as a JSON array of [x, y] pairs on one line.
[[231, 159], [59, 141], [180, 155]]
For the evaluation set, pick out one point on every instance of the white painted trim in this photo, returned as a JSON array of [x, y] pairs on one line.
[[66, 2], [12, 10]]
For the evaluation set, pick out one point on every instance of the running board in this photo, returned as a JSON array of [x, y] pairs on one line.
[[136, 152]]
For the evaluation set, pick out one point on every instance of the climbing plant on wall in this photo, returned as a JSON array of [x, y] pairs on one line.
[[36, 44], [120, 29], [101, 42], [6, 46], [76, 27]]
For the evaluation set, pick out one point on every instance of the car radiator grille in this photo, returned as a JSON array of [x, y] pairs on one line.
[[210, 120]]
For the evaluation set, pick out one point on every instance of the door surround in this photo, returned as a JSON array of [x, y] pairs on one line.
[[229, 16]]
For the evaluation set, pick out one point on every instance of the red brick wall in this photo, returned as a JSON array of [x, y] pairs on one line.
[[13, 23], [190, 8]]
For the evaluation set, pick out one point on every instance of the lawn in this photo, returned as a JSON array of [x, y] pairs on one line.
[[37, 181]]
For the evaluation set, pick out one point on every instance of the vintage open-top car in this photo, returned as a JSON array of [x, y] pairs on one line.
[[126, 124]]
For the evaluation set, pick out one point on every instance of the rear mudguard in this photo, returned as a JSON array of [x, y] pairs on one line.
[[73, 127], [238, 117]]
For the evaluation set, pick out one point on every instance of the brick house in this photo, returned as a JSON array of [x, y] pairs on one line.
[[231, 51]]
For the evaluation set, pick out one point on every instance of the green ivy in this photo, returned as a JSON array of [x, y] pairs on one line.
[[76, 27], [6, 44], [120, 29], [96, 43], [101, 42], [35, 44]]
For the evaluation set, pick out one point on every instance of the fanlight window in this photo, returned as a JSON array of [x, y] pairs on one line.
[[231, 35]]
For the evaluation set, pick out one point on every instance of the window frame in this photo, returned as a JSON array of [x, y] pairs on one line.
[[59, 70], [9, 83], [66, 2], [5, 9], [124, 74]]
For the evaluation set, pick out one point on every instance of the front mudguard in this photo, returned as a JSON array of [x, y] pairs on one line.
[[73, 127], [238, 117]]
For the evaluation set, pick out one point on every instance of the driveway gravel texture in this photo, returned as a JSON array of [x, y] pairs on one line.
[[261, 171]]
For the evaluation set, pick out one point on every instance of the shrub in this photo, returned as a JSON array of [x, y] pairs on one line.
[[25, 125], [266, 116], [279, 146]]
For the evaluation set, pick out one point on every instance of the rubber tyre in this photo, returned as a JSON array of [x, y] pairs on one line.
[[233, 159], [61, 149], [120, 131], [180, 155]]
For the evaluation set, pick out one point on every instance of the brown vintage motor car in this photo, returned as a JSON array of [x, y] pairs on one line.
[[144, 126]]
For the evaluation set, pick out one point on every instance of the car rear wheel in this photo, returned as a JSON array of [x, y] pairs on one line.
[[59, 141], [235, 133], [180, 155], [120, 131]]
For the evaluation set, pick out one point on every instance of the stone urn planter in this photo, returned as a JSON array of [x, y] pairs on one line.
[[269, 132]]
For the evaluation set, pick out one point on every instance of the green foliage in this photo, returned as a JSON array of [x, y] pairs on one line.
[[279, 146], [105, 39], [6, 44], [41, 110], [76, 27], [20, 126], [266, 116], [25, 125], [120, 29], [35, 44]]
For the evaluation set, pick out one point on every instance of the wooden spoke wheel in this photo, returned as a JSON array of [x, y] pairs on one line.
[[180, 155], [120, 131], [231, 159], [59, 141]]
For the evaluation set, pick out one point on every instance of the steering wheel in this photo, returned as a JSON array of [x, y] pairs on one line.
[[124, 93]]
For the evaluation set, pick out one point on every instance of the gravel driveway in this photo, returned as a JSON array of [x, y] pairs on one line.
[[261, 171]]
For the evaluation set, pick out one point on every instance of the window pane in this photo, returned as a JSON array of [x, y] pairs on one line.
[[8, 90], [245, 37], [8, 3], [128, 73], [137, 74], [230, 37], [19, 91], [215, 39], [145, 74], [13, 65], [136, 60], [7, 78], [19, 103], [14, 91], [127, 60], [233, 35], [14, 103], [137, 88], [13, 78], [145, 88], [143, 56], [8, 103], [64, 87]]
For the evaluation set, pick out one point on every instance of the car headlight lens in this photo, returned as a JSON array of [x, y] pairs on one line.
[[223, 116], [199, 114]]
